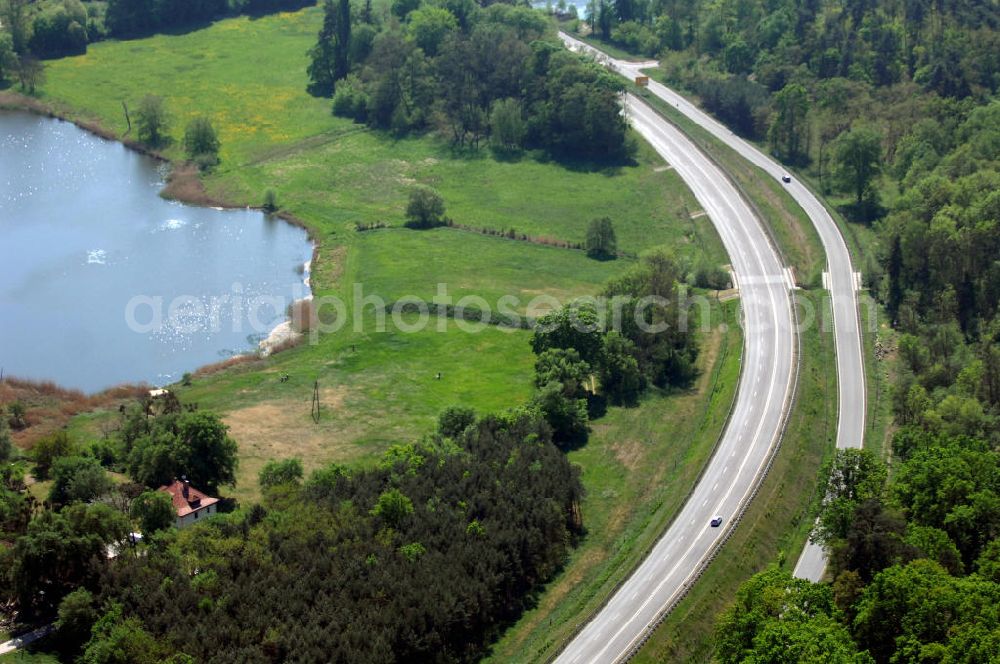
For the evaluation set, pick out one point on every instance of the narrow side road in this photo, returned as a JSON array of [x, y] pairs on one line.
[[25, 639]]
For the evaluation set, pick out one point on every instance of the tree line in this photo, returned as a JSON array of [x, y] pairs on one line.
[[471, 73], [591, 353]]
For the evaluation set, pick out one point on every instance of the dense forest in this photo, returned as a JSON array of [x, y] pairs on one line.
[[471, 73], [891, 107], [841, 88], [424, 556]]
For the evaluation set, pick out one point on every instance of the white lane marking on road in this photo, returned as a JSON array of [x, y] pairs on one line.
[[756, 436], [739, 219]]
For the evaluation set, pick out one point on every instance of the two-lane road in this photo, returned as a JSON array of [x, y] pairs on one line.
[[766, 381]]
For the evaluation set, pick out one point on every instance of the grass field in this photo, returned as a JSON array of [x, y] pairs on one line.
[[377, 388], [638, 468], [30, 656], [470, 264], [365, 177], [247, 75], [790, 227]]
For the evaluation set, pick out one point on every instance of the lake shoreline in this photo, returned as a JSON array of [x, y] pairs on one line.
[[184, 185]]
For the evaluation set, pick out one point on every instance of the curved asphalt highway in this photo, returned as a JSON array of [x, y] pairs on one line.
[[765, 390], [840, 280], [765, 382]]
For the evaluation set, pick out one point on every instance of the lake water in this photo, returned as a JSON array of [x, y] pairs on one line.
[[103, 282], [581, 6]]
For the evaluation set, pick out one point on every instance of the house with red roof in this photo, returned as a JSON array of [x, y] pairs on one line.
[[190, 504]]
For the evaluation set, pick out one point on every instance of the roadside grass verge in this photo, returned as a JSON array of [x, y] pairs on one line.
[[881, 366], [792, 226], [777, 523], [611, 49], [638, 469], [793, 232]]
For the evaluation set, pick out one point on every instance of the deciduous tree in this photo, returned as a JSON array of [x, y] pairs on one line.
[[854, 476], [154, 510], [8, 58], [425, 208], [575, 326], [601, 241], [201, 142], [429, 25], [152, 121], [567, 416], [78, 478], [859, 162], [275, 473], [454, 420], [788, 133], [393, 507], [507, 123], [563, 366], [621, 378]]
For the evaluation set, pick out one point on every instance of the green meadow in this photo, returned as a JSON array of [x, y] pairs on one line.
[[379, 387], [248, 75]]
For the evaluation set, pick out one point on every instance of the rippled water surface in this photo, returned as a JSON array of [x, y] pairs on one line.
[[102, 281]]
